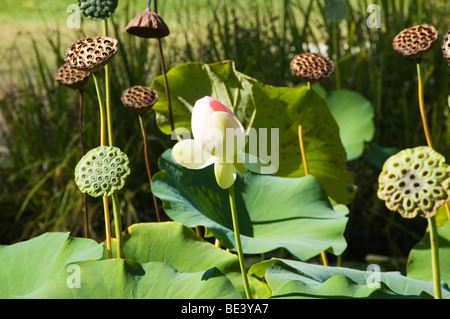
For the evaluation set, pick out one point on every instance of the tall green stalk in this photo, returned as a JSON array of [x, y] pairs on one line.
[[147, 165], [434, 241], [431, 221], [323, 254], [103, 142], [238, 241], [80, 129], [102, 111], [117, 223], [116, 206], [163, 69], [108, 92]]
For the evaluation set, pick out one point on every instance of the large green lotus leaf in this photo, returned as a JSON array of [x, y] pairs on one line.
[[25, 266], [273, 212], [294, 279], [266, 107], [354, 115], [180, 247], [284, 108], [126, 279], [419, 261]]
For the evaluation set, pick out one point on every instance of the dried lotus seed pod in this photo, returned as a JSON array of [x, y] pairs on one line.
[[415, 42], [312, 67], [97, 9], [415, 181], [139, 99], [70, 77], [102, 171], [446, 46], [148, 25], [91, 54]]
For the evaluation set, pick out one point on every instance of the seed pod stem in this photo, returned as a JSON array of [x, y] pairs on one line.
[[147, 164]]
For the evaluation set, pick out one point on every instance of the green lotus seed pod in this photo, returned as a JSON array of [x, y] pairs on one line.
[[102, 171], [415, 181], [97, 9]]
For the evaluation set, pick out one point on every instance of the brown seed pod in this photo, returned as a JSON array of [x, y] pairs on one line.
[[91, 54], [139, 99], [446, 46], [148, 25], [70, 77], [415, 42], [312, 67]]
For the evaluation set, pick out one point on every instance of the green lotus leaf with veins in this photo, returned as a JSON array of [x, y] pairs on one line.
[[415, 181]]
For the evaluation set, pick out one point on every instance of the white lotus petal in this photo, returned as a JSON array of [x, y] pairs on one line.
[[225, 174], [189, 154], [203, 108], [223, 135]]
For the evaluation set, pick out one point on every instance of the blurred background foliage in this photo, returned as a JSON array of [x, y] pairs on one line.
[[39, 144]]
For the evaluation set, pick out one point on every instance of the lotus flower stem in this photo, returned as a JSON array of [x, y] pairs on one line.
[[163, 69], [80, 127], [102, 111], [435, 257], [238, 241], [147, 164], [103, 142], [434, 241], [107, 226], [424, 118], [117, 223], [323, 255], [108, 91], [116, 206], [422, 106]]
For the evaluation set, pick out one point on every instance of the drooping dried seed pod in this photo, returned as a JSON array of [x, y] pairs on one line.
[[148, 25], [415, 42], [97, 9], [139, 99], [446, 46], [312, 67], [415, 181], [102, 171], [70, 77], [91, 54]]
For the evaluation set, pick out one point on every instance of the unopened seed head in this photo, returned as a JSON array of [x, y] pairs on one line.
[[415, 182], [415, 42], [312, 67], [70, 77], [91, 54], [102, 171], [97, 9], [148, 25], [139, 99]]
